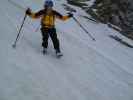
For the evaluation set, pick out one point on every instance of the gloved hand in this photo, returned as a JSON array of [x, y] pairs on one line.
[[70, 15], [28, 11]]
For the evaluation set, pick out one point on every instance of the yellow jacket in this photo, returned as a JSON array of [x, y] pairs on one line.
[[48, 20]]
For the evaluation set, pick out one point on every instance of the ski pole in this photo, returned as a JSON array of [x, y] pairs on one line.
[[84, 29], [17, 38]]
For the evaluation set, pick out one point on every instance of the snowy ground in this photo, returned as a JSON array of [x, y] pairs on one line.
[[101, 70]]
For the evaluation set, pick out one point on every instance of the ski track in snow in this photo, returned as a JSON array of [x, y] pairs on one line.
[[101, 70]]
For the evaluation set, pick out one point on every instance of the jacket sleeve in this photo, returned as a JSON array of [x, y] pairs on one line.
[[60, 16], [37, 14]]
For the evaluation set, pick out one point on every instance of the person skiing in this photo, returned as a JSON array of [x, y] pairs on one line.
[[48, 16]]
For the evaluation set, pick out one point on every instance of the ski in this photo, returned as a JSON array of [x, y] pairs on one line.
[[59, 55]]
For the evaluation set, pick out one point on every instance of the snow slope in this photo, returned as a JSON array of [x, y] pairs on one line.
[[101, 70]]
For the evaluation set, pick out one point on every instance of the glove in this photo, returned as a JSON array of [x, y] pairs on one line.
[[70, 15], [28, 11]]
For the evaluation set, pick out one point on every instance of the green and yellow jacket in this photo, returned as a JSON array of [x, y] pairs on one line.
[[48, 20]]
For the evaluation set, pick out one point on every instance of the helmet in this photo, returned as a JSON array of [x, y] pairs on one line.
[[48, 3]]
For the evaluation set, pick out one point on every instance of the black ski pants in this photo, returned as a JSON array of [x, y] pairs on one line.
[[53, 35]]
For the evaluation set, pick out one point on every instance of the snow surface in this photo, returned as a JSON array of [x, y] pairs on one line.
[[101, 70]]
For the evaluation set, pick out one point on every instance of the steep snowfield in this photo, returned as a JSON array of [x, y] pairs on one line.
[[101, 70]]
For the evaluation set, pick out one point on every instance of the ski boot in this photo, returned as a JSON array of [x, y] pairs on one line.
[[44, 51], [58, 54]]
